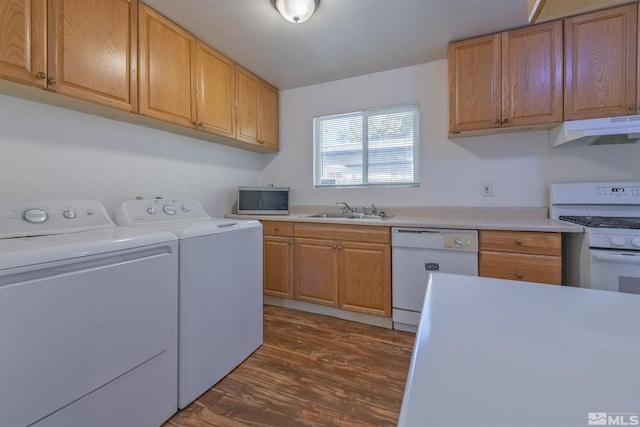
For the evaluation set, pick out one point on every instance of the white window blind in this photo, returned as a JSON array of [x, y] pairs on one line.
[[367, 148]]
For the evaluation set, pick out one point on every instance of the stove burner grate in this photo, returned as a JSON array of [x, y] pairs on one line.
[[625, 223]]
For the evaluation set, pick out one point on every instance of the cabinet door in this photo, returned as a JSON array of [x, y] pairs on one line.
[[532, 75], [23, 53], [247, 86], [92, 51], [167, 55], [365, 278], [474, 84], [316, 271], [278, 266], [268, 116], [600, 64], [216, 92]]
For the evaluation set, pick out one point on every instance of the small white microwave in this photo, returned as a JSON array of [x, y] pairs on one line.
[[263, 200]]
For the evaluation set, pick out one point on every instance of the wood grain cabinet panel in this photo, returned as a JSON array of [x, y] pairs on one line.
[[167, 55], [532, 75], [93, 51], [257, 110], [83, 49], [601, 61], [506, 80], [23, 37], [474, 84], [521, 255], [365, 278], [278, 258], [316, 271], [345, 266], [216, 110]]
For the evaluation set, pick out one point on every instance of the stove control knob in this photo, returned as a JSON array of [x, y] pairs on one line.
[[151, 211], [635, 242], [186, 208], [35, 216], [170, 210], [69, 214], [618, 241]]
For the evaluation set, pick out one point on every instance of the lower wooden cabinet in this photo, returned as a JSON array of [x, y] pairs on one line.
[[315, 271], [342, 266], [521, 255], [278, 259]]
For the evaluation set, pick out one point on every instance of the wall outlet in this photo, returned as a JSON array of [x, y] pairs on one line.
[[487, 190]]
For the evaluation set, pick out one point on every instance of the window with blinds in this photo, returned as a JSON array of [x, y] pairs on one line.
[[367, 148]]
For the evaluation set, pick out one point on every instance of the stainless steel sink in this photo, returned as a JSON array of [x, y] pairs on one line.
[[328, 215], [352, 215]]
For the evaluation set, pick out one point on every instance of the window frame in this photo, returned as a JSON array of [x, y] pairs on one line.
[[365, 114]]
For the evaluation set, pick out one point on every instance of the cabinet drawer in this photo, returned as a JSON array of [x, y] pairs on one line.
[[277, 228], [523, 242], [357, 233], [530, 268]]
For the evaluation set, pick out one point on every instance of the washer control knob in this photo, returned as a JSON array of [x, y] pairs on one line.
[[618, 241], [635, 242], [69, 214], [186, 208], [170, 210], [151, 211], [35, 216]]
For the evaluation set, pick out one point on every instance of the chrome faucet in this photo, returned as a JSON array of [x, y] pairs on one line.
[[346, 207]]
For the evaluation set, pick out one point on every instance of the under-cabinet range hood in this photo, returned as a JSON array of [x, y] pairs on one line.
[[612, 130]]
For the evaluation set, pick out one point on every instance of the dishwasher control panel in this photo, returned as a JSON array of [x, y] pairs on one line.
[[434, 238]]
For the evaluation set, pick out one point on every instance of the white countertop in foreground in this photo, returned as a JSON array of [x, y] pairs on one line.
[[501, 353], [516, 219]]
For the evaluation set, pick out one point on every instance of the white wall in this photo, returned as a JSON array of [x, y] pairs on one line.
[[520, 165], [47, 151]]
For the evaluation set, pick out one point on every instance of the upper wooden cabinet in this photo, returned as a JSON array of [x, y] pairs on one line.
[[167, 69], [550, 10], [532, 75], [257, 113], [83, 49], [475, 91], [601, 75], [23, 36], [122, 54], [215, 78], [507, 80]]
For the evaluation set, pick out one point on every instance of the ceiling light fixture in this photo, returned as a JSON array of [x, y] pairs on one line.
[[296, 11]]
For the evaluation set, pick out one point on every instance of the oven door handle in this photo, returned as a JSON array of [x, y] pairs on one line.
[[624, 258]]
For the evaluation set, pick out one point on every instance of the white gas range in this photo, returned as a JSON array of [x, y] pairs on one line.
[[607, 255]]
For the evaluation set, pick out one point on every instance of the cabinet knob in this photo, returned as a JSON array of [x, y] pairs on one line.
[[518, 242], [276, 228], [519, 275], [506, 120], [40, 75], [633, 107], [291, 241], [51, 81], [335, 246]]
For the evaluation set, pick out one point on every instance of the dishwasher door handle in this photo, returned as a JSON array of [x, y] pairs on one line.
[[432, 266]]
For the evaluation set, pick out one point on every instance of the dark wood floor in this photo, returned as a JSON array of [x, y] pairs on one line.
[[311, 370]]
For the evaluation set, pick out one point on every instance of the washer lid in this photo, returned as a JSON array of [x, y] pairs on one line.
[[25, 251], [203, 227]]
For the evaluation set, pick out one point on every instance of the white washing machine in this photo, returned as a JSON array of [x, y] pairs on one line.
[[220, 287], [88, 318]]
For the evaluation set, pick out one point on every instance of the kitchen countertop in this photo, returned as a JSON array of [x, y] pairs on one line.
[[500, 353], [515, 219]]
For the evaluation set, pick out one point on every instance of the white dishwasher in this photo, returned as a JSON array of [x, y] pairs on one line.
[[416, 252]]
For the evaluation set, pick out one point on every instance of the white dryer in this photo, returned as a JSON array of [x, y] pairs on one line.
[[220, 287], [88, 318]]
